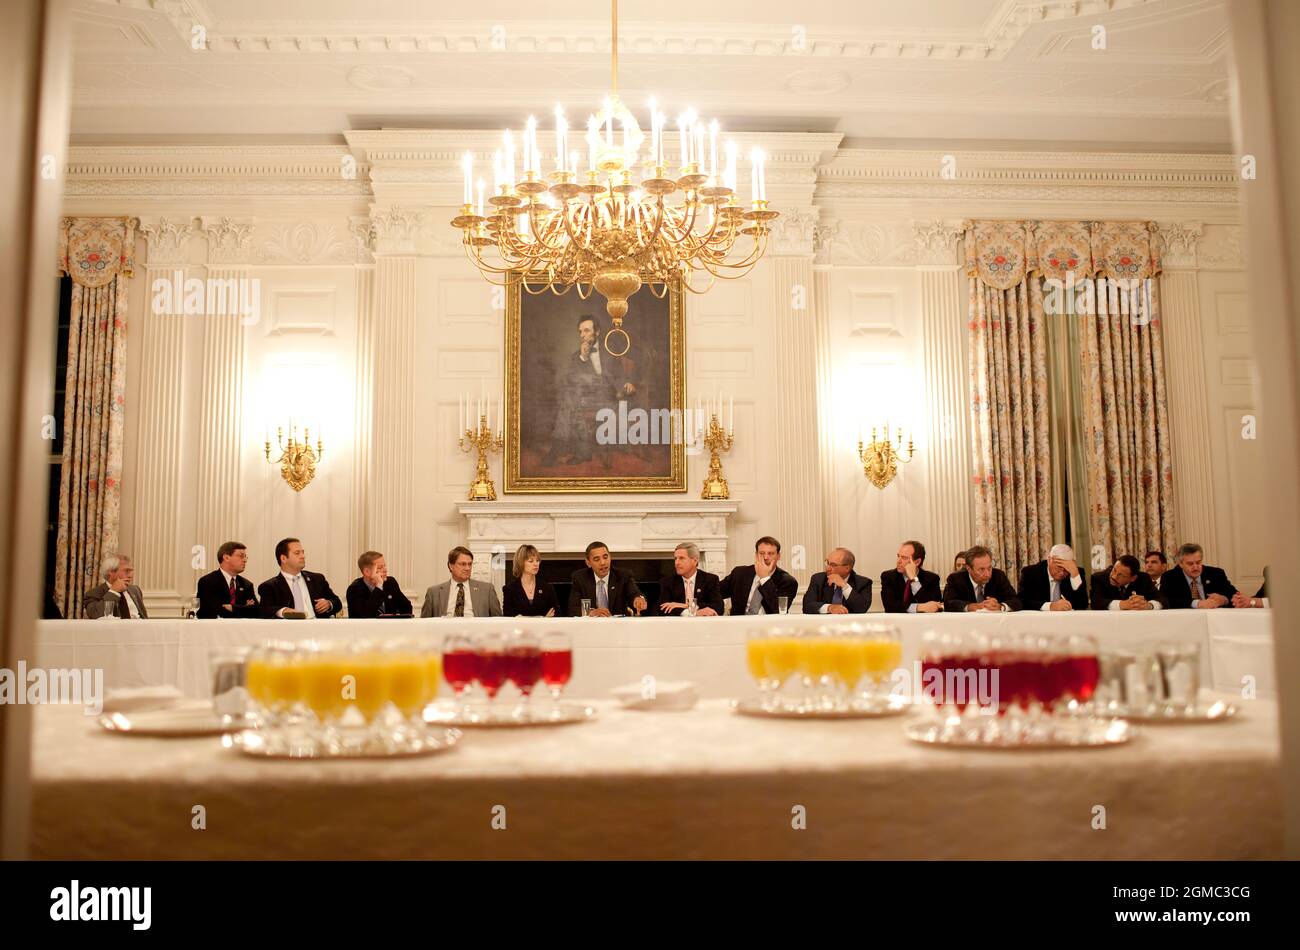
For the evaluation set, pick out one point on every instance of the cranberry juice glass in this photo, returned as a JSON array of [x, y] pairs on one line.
[[557, 663], [524, 666], [493, 665], [1084, 670], [459, 665]]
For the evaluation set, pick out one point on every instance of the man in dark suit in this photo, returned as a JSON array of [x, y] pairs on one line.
[[609, 591], [117, 596], [295, 591], [690, 585], [1055, 583], [1124, 586], [754, 588], [225, 592], [980, 587], [909, 588], [1157, 565], [591, 380], [374, 593], [1195, 584], [838, 589]]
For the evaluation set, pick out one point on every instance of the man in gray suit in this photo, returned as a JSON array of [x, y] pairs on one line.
[[117, 596], [459, 596]]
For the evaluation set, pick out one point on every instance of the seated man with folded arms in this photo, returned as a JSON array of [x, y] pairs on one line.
[[980, 587], [1123, 586], [756, 588], [374, 593], [117, 596], [909, 588], [1195, 584], [838, 589], [225, 592], [295, 592], [1055, 583]]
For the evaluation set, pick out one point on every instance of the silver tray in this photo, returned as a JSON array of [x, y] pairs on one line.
[[892, 706], [272, 744], [1084, 732], [1215, 711], [480, 715]]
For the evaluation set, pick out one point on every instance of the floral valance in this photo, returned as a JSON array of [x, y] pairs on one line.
[[92, 251], [1002, 253]]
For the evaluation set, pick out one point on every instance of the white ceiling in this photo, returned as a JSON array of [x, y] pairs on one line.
[[965, 73]]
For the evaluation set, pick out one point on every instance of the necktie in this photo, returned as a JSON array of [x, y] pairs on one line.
[[690, 589], [907, 590], [232, 592], [1056, 590], [123, 610], [979, 593], [602, 594], [299, 594], [1200, 591], [755, 605], [838, 596], [460, 600]]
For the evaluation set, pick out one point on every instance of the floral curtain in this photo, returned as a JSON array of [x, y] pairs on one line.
[[1104, 276], [98, 254]]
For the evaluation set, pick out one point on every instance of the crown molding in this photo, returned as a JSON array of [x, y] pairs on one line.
[[993, 40]]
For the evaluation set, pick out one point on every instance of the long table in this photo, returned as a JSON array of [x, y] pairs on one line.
[[702, 784], [617, 651]]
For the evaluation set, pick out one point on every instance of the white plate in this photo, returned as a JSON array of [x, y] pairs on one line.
[[893, 706], [176, 723], [479, 715], [272, 744]]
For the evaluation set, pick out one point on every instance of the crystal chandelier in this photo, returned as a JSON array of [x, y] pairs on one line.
[[624, 220]]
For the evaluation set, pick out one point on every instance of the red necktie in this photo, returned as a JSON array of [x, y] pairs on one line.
[[907, 591], [232, 592]]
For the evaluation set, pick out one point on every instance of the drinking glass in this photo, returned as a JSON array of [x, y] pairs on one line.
[[691, 607], [524, 667], [849, 661], [459, 666], [781, 660], [816, 663], [557, 664], [191, 609], [229, 689], [1082, 673], [586, 606], [758, 648], [1115, 691], [941, 654], [493, 666], [1174, 681], [881, 648], [783, 604]]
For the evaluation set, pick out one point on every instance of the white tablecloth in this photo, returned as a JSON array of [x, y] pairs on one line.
[[701, 784], [612, 652]]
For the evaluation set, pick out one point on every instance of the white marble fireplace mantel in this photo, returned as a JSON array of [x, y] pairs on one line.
[[564, 525]]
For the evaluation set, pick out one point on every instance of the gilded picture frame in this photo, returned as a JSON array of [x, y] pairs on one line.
[[603, 424]]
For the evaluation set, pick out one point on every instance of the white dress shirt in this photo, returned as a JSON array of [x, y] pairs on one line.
[[131, 608], [758, 582], [451, 600], [294, 580], [1054, 588]]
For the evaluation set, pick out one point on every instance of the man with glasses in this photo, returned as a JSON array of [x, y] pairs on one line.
[[838, 589]]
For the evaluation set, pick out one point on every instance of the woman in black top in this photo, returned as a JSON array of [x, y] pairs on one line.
[[525, 596]]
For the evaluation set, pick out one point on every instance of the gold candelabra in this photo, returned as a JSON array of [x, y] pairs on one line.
[[716, 439], [880, 457], [482, 439], [297, 460]]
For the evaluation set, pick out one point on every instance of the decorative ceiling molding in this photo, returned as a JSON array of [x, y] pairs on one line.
[[186, 171], [1178, 240], [937, 242], [999, 34], [229, 239]]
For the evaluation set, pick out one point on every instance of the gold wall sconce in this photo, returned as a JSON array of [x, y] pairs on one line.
[[297, 459], [880, 457]]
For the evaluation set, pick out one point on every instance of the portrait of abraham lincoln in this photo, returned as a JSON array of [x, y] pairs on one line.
[[590, 411]]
